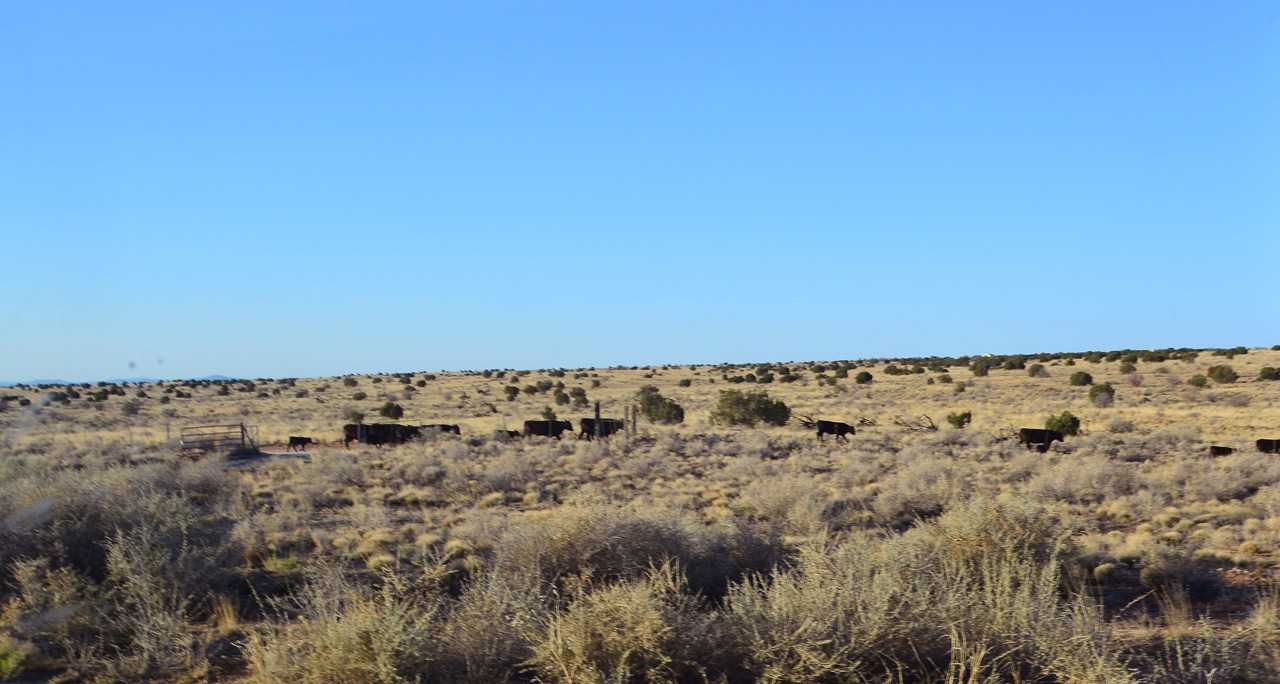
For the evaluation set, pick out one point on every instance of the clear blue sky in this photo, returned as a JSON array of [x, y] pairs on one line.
[[277, 189]]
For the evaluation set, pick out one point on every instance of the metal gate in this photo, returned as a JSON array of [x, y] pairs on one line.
[[233, 440]]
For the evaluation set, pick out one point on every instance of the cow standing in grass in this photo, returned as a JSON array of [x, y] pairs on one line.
[[828, 427], [608, 426], [300, 442], [1038, 438], [442, 427], [547, 428]]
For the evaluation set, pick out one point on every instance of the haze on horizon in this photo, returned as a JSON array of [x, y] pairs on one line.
[[315, 189]]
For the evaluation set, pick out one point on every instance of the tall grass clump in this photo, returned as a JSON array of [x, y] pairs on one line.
[[975, 595], [337, 629], [643, 631]]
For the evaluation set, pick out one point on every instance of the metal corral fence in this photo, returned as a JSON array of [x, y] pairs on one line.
[[233, 440]]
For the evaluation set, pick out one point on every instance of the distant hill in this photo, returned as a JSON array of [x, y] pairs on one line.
[[111, 381]]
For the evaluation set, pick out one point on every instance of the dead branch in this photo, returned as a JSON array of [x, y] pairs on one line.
[[920, 423]]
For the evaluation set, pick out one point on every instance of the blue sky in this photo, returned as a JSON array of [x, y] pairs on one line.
[[276, 189]]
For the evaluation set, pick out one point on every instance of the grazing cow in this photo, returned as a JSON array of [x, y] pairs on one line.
[[547, 428], [350, 433], [608, 426], [1269, 446], [828, 427], [1220, 451], [1034, 436], [300, 442], [454, 429]]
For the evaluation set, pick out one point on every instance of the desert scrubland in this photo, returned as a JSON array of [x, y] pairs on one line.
[[699, 551]]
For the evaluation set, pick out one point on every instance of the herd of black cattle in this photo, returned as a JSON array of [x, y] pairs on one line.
[[378, 434]]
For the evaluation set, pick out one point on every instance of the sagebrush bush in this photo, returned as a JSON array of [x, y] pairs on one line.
[[657, 408], [1269, 373], [1222, 374], [1102, 395], [1081, 379], [749, 408], [959, 420], [1197, 380], [1065, 422]]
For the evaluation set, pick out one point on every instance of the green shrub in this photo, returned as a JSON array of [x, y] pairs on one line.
[[944, 378], [1102, 395], [685, 382], [1081, 379], [894, 370], [548, 414], [12, 658], [391, 410], [1066, 423], [1222, 374], [1198, 380], [862, 378], [359, 396], [512, 392], [579, 396], [1036, 370], [959, 420], [1269, 373], [560, 397], [1127, 367], [749, 408], [657, 408], [350, 382], [1015, 363], [1230, 353]]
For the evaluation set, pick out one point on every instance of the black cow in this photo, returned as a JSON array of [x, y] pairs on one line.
[[608, 426], [350, 433], [828, 427], [1039, 438], [378, 434], [513, 434], [1268, 446], [300, 442], [442, 427], [1220, 451], [547, 428]]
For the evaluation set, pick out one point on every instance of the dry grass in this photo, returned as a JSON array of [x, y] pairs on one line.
[[684, 553]]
